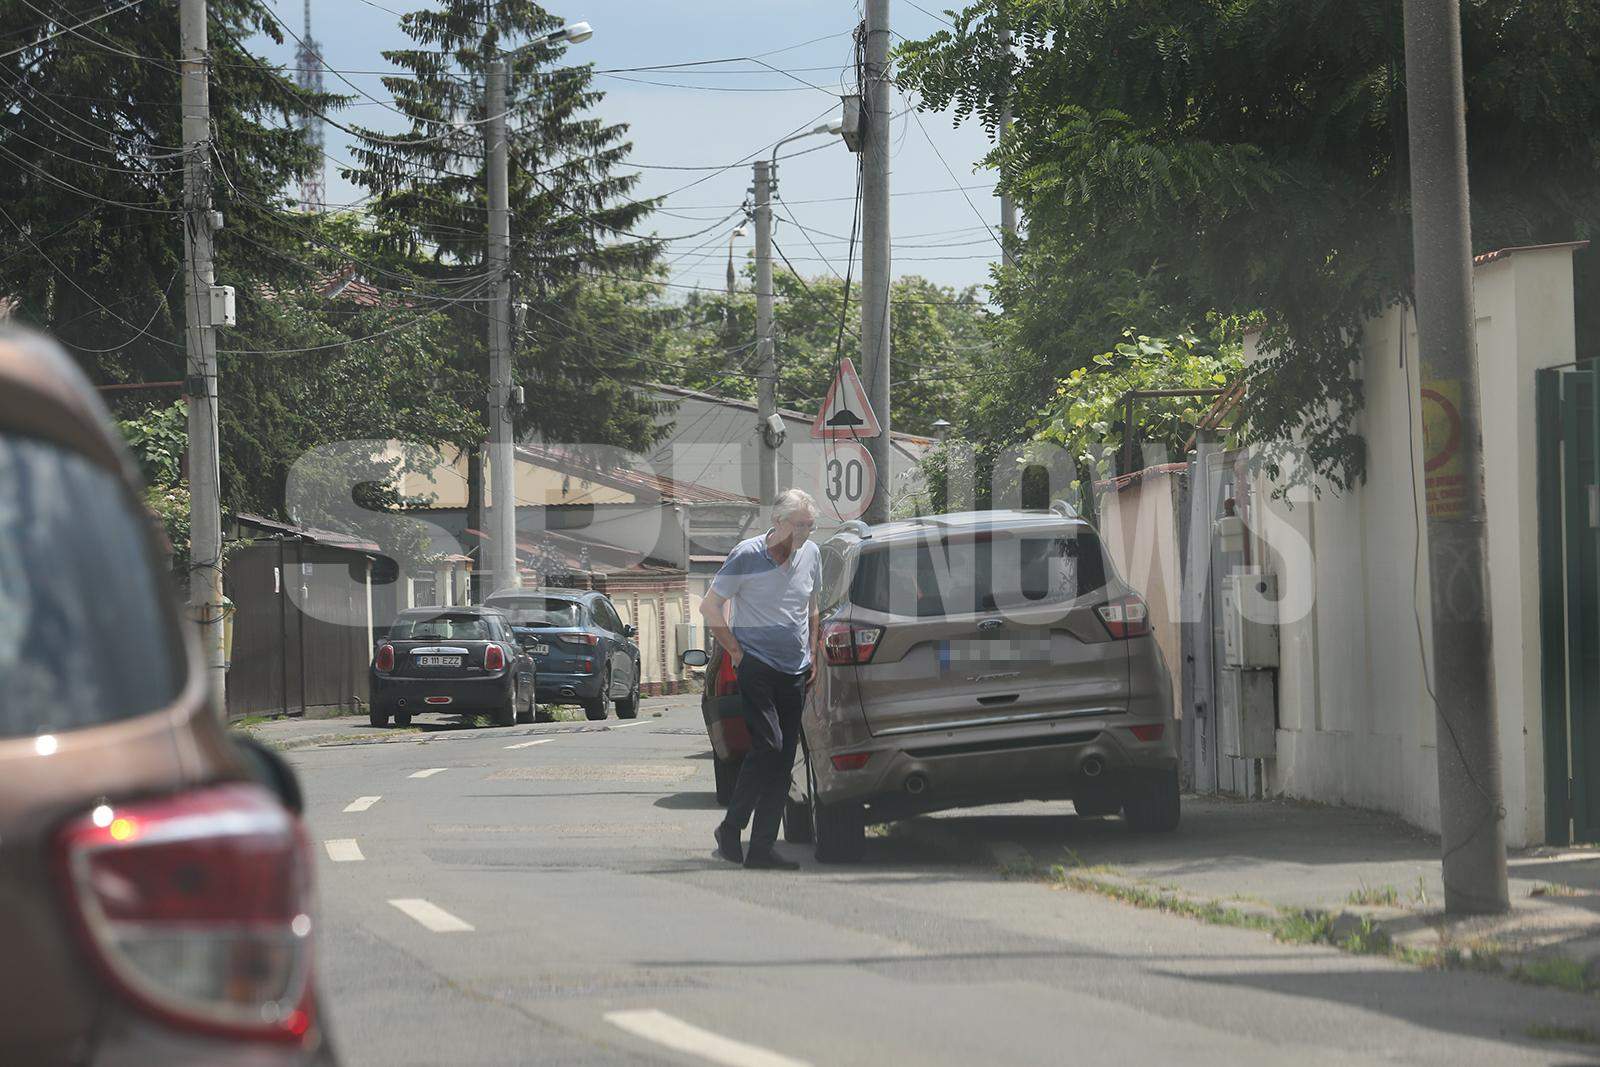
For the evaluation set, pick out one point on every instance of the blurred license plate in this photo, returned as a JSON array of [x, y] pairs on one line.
[[539, 650], [438, 661], [955, 655]]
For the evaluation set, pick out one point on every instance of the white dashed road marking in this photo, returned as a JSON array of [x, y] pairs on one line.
[[343, 850], [624, 725], [430, 772], [361, 803], [676, 1034], [432, 916], [529, 744]]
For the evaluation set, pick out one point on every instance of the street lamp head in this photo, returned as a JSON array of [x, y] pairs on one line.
[[740, 232], [575, 32], [830, 127]]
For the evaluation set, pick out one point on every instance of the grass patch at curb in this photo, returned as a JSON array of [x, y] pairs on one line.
[[1358, 935], [1572, 1035]]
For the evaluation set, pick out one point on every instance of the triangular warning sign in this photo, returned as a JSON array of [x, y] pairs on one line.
[[845, 412]]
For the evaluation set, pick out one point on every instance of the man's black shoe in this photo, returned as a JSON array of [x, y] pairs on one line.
[[728, 846], [769, 861]]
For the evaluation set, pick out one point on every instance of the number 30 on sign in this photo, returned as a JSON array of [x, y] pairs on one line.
[[848, 479]]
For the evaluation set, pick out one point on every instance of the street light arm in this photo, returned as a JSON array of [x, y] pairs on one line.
[[826, 127]]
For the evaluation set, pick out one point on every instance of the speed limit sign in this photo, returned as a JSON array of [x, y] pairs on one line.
[[848, 479]]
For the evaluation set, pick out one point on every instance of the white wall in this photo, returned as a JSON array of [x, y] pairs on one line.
[[1356, 723]]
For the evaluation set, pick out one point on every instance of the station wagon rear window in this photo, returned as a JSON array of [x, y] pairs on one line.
[[85, 632], [978, 571], [542, 611]]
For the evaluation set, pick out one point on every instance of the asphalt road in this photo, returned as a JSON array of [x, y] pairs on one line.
[[548, 894]]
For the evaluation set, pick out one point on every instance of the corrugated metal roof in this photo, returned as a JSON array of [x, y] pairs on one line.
[[654, 487]]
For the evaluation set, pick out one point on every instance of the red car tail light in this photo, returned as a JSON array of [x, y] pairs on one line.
[[384, 661], [727, 683], [494, 658], [197, 909], [851, 761], [1151, 732], [579, 639], [845, 643], [1125, 617]]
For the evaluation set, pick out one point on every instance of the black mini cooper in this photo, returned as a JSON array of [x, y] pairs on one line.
[[461, 659]]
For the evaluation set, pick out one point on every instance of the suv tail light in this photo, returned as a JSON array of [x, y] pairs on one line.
[[494, 658], [844, 642], [727, 683], [197, 908], [579, 639], [1125, 617], [385, 658]]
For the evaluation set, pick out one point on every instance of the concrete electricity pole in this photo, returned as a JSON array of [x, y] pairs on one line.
[[767, 386], [200, 337], [502, 444], [875, 259], [1471, 812], [501, 450]]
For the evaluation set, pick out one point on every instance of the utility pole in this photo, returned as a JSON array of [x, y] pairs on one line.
[[200, 338], [1471, 812], [767, 387], [502, 446], [875, 260], [1008, 207]]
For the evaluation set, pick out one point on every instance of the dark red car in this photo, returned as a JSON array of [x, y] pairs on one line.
[[155, 877]]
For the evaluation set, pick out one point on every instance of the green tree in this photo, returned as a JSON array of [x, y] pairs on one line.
[[940, 343], [91, 242], [574, 245], [1184, 156], [1087, 415]]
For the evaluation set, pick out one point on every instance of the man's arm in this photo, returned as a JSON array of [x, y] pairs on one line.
[[714, 610]]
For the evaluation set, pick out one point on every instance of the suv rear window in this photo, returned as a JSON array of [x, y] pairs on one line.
[[964, 573], [85, 634], [442, 628], [541, 611]]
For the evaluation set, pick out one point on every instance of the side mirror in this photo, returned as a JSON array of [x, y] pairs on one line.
[[272, 771], [695, 657], [629, 630]]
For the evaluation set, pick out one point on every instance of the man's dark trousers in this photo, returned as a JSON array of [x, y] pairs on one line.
[[772, 704]]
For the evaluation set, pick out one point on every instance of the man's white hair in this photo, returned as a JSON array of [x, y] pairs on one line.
[[791, 502]]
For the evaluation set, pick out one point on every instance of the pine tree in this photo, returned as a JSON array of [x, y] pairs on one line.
[[575, 249]]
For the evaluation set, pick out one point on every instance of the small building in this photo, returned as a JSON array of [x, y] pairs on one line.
[[306, 610]]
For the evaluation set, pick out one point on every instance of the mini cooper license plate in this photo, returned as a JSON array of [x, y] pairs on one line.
[[438, 661]]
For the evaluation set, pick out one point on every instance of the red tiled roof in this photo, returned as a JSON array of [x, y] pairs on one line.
[[1502, 253]]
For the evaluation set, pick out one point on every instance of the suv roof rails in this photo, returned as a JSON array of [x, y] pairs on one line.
[[857, 527], [1064, 509]]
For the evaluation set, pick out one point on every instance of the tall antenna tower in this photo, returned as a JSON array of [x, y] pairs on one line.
[[309, 76]]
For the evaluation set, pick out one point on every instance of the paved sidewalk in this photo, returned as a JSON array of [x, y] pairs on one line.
[[1368, 871], [288, 733]]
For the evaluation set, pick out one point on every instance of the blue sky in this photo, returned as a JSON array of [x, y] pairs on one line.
[[940, 231]]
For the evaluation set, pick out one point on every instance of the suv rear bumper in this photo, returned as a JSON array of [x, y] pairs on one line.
[[555, 688], [993, 765]]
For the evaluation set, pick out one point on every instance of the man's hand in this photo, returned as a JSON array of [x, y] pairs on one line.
[[737, 656], [816, 665]]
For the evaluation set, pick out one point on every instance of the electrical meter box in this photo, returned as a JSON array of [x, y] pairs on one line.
[[1250, 620], [222, 306]]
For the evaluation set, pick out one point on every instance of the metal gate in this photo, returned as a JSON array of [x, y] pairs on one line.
[[1568, 408]]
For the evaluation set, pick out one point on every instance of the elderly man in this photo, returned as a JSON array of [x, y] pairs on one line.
[[771, 582]]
